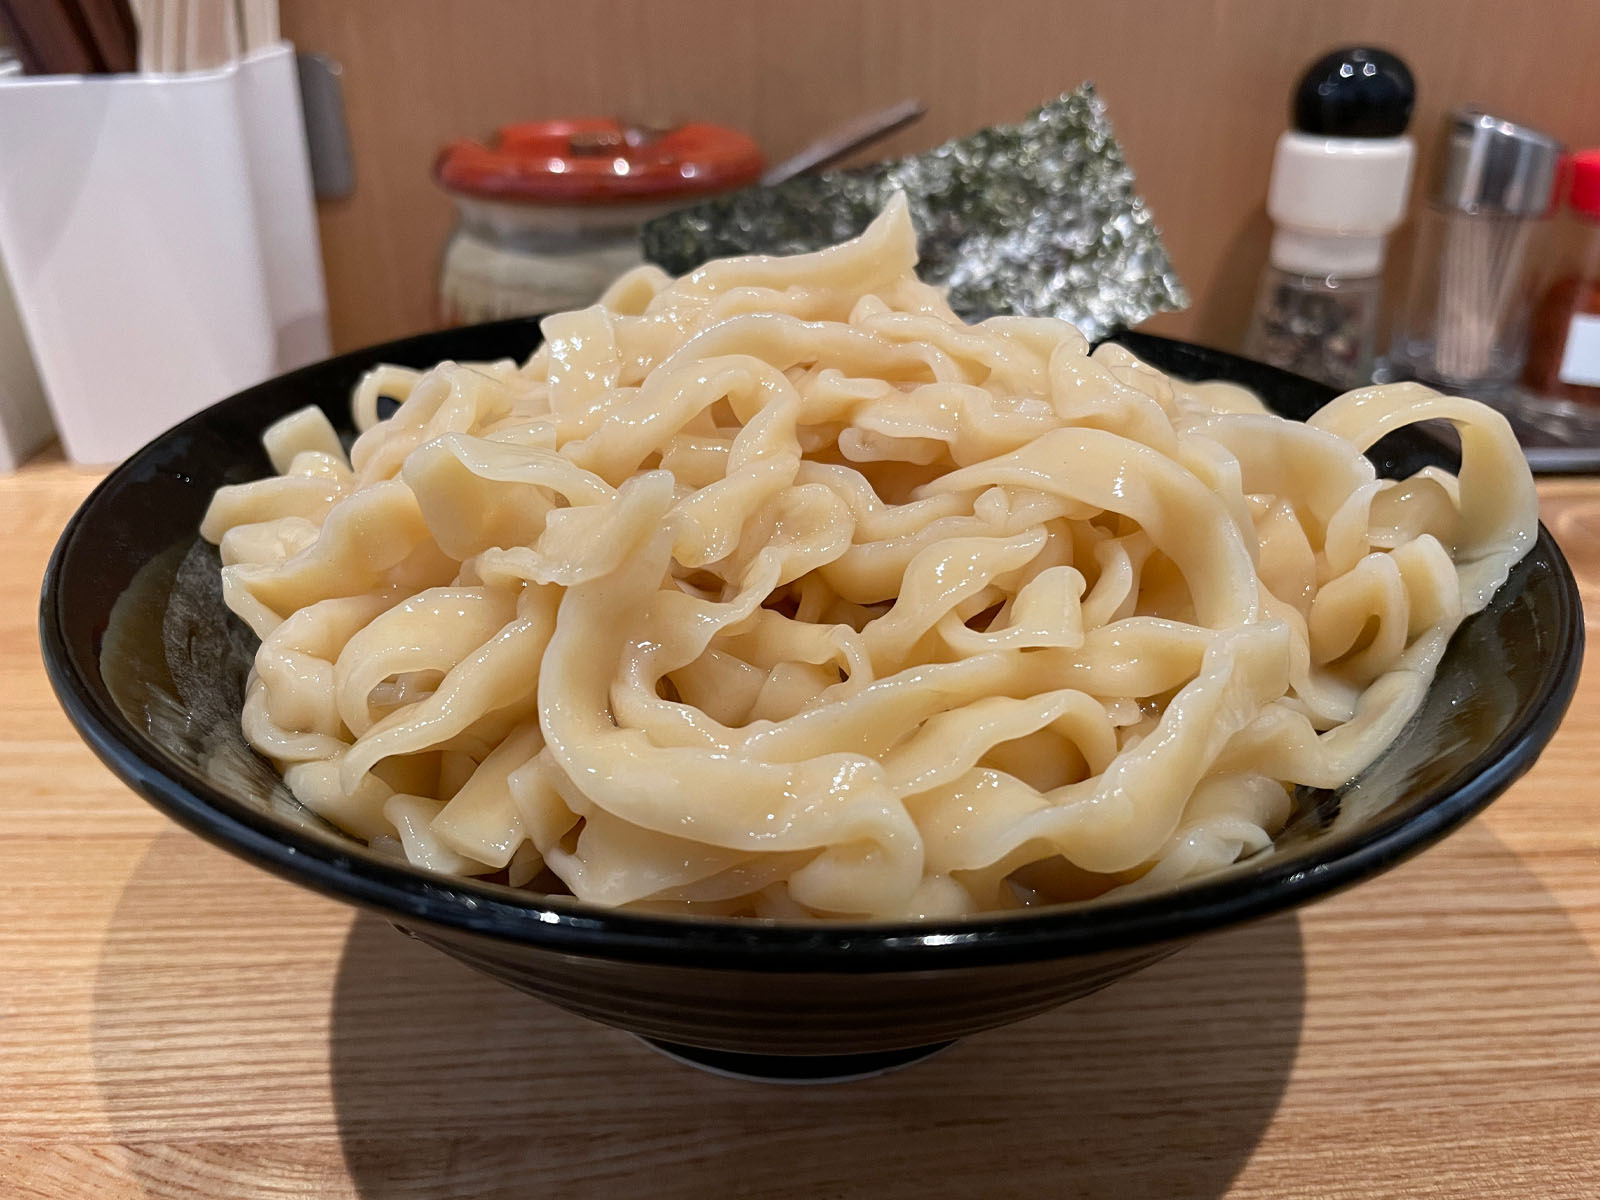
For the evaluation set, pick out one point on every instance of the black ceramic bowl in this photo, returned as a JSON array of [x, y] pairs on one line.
[[150, 667]]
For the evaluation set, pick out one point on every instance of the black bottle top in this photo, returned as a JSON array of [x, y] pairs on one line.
[[1355, 92]]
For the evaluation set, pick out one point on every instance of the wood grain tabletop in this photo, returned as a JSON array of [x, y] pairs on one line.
[[175, 1023]]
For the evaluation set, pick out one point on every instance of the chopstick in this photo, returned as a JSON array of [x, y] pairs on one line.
[[174, 19], [846, 139], [258, 21], [49, 38], [111, 30], [147, 17], [93, 37]]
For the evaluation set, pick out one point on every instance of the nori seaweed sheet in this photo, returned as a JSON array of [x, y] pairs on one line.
[[1039, 218]]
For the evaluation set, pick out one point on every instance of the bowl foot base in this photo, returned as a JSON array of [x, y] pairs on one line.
[[793, 1068]]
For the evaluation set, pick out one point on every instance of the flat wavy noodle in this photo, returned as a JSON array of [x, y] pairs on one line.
[[777, 591]]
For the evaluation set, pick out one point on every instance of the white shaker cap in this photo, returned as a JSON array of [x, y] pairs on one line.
[[1334, 201]]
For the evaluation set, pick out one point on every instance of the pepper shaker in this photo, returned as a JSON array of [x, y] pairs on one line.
[[1340, 179]]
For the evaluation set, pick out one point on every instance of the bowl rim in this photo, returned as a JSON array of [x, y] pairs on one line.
[[561, 924]]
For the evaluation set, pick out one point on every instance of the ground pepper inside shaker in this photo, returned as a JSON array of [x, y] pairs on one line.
[[1319, 326]]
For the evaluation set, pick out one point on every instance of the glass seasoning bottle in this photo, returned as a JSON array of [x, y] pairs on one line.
[[1340, 179], [1564, 346], [1465, 324], [550, 211]]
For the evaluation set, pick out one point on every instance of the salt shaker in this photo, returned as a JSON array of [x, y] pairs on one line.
[[1340, 179], [1464, 327]]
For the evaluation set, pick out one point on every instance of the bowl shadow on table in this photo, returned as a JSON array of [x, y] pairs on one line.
[[445, 1084], [448, 1084]]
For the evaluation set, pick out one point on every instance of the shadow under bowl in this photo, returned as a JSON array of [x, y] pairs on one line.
[[150, 667]]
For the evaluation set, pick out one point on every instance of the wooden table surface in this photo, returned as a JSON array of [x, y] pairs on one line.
[[176, 1023]]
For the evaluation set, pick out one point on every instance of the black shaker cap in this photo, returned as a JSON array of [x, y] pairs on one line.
[[1355, 92]]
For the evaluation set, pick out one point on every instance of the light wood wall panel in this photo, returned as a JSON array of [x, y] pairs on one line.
[[1197, 91]]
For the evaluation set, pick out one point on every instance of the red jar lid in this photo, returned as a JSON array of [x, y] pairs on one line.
[[591, 160], [1583, 187]]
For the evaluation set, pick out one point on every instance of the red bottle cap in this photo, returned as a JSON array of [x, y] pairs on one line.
[[1583, 187], [591, 160]]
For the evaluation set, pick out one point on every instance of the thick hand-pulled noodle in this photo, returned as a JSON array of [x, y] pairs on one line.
[[776, 590]]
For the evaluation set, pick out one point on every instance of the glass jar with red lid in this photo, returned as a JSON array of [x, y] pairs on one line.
[[550, 210], [1564, 347]]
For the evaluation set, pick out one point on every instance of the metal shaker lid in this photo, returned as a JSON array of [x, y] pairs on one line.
[[1497, 166]]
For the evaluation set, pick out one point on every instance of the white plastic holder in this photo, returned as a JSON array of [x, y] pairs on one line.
[[161, 239], [25, 424]]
